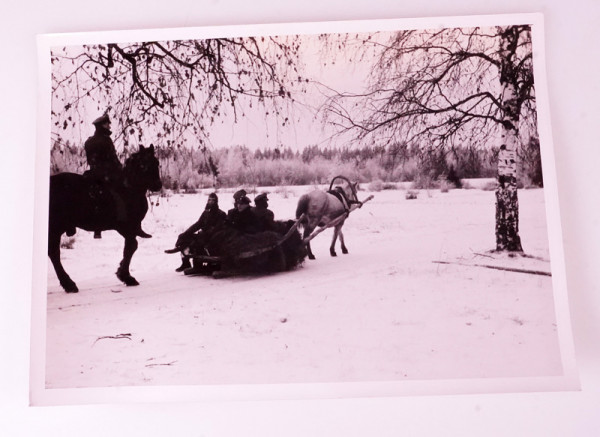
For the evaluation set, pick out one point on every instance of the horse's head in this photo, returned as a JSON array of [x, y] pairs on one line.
[[354, 188], [142, 169]]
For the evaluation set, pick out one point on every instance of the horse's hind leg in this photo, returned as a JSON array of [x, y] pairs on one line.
[[123, 274], [307, 232], [54, 254]]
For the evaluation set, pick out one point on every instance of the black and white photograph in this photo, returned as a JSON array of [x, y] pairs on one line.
[[319, 218], [357, 206]]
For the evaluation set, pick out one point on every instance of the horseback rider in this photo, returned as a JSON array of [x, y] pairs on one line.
[[106, 169], [211, 216], [261, 210], [101, 153]]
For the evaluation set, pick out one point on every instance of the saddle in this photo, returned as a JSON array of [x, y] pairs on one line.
[[106, 199], [103, 195]]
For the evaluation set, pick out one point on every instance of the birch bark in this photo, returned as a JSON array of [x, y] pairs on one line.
[[507, 202]]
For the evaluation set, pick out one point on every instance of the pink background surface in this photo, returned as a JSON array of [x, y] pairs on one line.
[[572, 68]]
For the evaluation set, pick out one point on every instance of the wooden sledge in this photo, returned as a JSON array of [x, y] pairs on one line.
[[199, 259]]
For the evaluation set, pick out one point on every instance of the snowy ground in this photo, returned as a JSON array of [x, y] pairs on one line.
[[386, 311]]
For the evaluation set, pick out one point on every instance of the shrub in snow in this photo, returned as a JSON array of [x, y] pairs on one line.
[[67, 242], [376, 185], [411, 194]]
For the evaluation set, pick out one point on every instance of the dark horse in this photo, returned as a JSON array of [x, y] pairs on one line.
[[321, 207], [74, 202]]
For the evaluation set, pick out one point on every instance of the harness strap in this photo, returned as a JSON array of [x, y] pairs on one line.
[[339, 193], [341, 196]]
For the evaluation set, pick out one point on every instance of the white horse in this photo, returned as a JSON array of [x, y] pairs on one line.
[[322, 207]]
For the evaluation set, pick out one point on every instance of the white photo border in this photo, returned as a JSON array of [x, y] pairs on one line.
[[39, 395]]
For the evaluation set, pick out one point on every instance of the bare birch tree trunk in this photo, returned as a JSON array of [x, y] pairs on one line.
[[507, 202]]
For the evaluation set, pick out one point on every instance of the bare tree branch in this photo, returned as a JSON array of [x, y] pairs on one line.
[[435, 85], [172, 91]]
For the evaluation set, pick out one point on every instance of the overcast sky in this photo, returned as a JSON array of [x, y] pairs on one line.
[[331, 68]]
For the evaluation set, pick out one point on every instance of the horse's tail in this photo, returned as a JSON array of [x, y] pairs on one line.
[[302, 205]]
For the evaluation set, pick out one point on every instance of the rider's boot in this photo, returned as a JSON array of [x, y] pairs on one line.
[[140, 233], [185, 264]]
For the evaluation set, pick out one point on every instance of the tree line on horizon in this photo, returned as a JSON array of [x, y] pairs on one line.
[[183, 169]]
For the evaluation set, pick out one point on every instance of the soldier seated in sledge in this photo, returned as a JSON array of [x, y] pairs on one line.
[[236, 198], [243, 218], [265, 216], [211, 217]]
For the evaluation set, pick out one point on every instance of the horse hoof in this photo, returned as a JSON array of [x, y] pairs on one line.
[[311, 257], [131, 281], [70, 288], [333, 253], [127, 279], [345, 251]]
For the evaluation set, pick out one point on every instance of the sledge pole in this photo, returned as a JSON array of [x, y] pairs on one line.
[[336, 220]]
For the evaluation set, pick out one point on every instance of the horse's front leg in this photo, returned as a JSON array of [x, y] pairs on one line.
[[54, 253], [123, 274], [336, 230], [342, 243]]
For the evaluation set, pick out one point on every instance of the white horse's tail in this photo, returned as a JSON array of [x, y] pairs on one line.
[[302, 205]]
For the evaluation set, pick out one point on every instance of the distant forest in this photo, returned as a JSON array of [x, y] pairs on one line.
[[186, 170]]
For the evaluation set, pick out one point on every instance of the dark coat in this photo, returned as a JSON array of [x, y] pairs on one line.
[[209, 219], [244, 221], [102, 156], [265, 217]]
